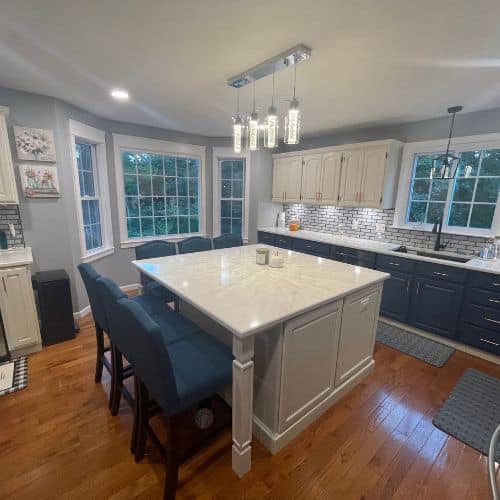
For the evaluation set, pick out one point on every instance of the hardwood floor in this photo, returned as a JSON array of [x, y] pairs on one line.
[[59, 441]]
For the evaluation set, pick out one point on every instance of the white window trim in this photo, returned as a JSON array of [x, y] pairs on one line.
[[220, 153], [486, 141], [98, 139], [155, 146]]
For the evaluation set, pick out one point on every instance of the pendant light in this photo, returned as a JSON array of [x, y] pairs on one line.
[[271, 125], [445, 166], [238, 128], [253, 127], [292, 119]]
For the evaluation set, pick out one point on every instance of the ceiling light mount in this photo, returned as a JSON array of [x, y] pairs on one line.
[[288, 58]]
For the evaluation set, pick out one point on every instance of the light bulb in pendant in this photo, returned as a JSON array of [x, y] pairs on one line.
[[292, 123], [271, 128], [253, 131], [238, 134]]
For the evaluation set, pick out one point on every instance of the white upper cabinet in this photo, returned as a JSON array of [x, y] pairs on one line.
[[351, 177], [311, 178], [287, 179], [8, 190], [330, 177], [357, 175]]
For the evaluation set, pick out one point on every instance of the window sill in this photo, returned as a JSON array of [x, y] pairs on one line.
[[174, 239], [427, 228], [99, 254]]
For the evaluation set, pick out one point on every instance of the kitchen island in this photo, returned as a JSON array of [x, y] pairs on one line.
[[302, 335]]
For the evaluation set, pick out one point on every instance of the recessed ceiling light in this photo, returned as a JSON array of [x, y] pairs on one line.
[[119, 94]]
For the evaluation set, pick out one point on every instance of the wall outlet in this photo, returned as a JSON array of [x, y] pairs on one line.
[[380, 227], [355, 224]]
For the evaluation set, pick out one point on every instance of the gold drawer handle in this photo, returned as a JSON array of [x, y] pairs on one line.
[[492, 320], [489, 342]]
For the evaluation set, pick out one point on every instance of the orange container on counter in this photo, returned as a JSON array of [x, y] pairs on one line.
[[294, 225]]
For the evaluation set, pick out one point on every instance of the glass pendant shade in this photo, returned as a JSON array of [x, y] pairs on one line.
[[292, 123], [271, 128], [253, 131], [238, 135]]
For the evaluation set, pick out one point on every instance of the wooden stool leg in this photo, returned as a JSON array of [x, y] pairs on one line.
[[172, 461], [99, 337], [116, 380], [139, 434]]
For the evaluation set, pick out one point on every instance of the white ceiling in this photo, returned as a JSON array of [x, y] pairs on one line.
[[385, 61]]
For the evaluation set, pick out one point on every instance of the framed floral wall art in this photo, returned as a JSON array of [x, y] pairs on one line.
[[39, 181], [35, 144]]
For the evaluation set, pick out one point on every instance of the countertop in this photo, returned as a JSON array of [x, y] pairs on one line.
[[16, 257], [474, 264], [244, 297]]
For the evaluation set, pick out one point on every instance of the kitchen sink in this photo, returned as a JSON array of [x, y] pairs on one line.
[[434, 255]]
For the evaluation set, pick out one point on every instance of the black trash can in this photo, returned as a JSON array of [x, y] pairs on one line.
[[55, 307]]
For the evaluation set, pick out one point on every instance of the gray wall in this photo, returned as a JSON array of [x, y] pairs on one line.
[[50, 225], [480, 122]]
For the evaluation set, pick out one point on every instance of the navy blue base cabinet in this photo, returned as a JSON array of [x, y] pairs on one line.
[[435, 306], [396, 296]]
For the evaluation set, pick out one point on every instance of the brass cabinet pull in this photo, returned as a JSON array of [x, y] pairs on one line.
[[488, 342], [492, 320]]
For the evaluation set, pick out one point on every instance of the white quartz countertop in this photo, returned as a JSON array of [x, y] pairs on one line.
[[228, 286], [16, 257], [474, 264]]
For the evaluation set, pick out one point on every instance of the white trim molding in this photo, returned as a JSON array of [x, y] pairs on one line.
[[97, 138], [155, 146], [222, 153], [458, 144]]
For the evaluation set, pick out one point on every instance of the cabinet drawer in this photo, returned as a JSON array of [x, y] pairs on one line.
[[441, 272], [388, 262], [482, 298], [311, 247], [354, 256], [484, 280], [481, 338], [283, 241], [485, 317], [267, 238]]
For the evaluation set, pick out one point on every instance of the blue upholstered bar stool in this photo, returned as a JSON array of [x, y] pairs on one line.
[[194, 244], [151, 250], [173, 376], [152, 304], [227, 241]]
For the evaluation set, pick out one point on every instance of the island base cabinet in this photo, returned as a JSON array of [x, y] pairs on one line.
[[17, 305], [360, 316], [310, 345]]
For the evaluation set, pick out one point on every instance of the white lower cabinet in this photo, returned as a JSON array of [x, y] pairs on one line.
[[357, 335], [17, 305], [310, 344]]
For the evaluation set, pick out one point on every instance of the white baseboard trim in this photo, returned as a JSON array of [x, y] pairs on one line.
[[443, 340], [86, 310]]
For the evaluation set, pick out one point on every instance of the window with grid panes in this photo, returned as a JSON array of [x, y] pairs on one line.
[[232, 192], [467, 201], [161, 194], [89, 194]]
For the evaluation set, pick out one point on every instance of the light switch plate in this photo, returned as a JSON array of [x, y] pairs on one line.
[[380, 227], [355, 224]]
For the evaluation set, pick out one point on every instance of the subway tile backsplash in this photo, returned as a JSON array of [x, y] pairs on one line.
[[338, 220], [9, 214]]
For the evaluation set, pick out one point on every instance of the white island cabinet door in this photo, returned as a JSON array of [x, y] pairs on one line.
[[357, 335], [8, 190], [308, 367], [17, 305]]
